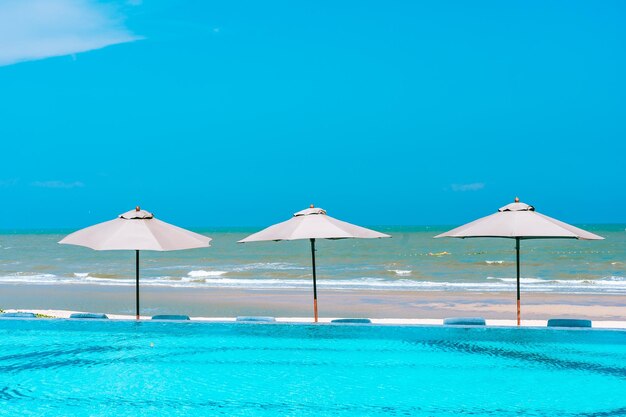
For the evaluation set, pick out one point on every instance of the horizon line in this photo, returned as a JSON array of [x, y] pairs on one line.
[[248, 227]]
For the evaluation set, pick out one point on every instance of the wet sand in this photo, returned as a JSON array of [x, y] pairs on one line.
[[223, 302]]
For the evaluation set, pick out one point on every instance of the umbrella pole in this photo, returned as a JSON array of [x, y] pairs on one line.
[[517, 239], [314, 279], [137, 282]]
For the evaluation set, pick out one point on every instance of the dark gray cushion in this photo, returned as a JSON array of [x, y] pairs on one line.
[[170, 317], [569, 323], [464, 321], [88, 316], [256, 319], [356, 321], [19, 314]]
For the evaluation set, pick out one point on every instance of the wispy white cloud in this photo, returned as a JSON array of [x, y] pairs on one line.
[[57, 184], [475, 186], [38, 29]]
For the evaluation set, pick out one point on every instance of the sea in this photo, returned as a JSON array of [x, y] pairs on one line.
[[412, 260]]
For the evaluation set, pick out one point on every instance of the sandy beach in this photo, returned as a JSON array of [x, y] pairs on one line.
[[295, 305]]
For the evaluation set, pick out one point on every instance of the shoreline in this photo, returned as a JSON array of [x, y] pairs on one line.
[[419, 307], [65, 314]]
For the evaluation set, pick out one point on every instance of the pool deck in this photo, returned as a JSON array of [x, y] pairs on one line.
[[598, 324]]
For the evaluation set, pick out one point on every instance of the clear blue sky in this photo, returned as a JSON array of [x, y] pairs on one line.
[[222, 113]]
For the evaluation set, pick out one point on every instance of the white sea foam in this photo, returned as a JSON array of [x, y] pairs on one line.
[[605, 285], [494, 262], [202, 273], [22, 277], [217, 279], [521, 280], [608, 285], [400, 272], [272, 266], [107, 281], [613, 278], [30, 276]]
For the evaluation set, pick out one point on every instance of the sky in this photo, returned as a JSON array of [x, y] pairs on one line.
[[240, 113]]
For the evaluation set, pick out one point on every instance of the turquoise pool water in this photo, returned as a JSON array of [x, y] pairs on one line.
[[99, 368]]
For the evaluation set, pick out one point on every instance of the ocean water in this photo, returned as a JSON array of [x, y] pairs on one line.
[[99, 368], [412, 260]]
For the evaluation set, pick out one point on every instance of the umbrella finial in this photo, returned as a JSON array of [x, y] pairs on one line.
[[137, 208], [312, 206], [517, 199]]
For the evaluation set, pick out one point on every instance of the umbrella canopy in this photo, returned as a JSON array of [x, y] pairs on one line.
[[519, 221], [313, 223], [136, 230]]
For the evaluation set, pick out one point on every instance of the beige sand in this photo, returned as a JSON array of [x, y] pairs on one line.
[[296, 305]]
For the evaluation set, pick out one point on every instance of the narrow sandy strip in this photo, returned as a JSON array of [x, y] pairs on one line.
[[604, 324], [376, 305]]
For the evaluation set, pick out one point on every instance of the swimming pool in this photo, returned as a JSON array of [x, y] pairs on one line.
[[119, 368]]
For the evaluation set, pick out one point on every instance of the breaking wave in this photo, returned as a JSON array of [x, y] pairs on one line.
[[400, 272], [202, 273], [401, 282]]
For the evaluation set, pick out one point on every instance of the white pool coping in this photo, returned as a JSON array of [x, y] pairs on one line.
[[598, 324]]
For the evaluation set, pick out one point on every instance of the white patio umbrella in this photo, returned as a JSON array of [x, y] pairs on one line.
[[313, 223], [519, 221], [136, 230]]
